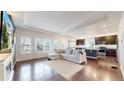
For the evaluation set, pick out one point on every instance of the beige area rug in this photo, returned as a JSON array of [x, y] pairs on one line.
[[65, 68]]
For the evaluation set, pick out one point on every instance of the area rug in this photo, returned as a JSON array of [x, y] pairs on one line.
[[65, 68]]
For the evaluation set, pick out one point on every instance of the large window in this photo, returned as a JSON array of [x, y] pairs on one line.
[[43, 45], [90, 42], [39, 45], [48, 45], [25, 45], [71, 44]]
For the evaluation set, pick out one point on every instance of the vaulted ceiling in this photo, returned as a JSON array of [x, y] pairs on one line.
[[70, 23]]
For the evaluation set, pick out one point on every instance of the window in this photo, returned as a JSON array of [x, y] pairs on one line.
[[72, 44], [43, 44], [39, 45], [90, 42], [25, 45], [47, 45]]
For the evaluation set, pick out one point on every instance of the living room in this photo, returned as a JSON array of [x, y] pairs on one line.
[[66, 46]]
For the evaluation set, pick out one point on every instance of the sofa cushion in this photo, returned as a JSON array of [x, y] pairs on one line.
[[68, 51], [73, 56], [75, 52]]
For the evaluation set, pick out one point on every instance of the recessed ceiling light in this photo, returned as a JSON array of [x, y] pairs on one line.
[[103, 26]]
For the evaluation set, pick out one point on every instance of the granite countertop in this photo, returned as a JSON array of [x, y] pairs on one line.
[[92, 48], [4, 56]]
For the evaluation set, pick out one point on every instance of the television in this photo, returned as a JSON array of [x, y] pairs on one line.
[[7, 31], [1, 28]]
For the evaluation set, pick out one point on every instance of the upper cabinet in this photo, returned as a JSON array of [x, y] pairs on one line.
[[80, 42], [106, 40]]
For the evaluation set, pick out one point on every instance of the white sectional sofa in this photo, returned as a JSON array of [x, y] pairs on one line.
[[75, 56]]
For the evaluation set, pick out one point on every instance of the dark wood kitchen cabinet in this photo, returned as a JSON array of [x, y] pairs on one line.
[[80, 42], [111, 39], [111, 52], [106, 40]]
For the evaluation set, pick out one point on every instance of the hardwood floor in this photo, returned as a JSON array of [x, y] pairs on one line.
[[100, 70], [37, 70]]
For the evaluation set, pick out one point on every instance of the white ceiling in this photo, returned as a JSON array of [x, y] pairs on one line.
[[73, 23]]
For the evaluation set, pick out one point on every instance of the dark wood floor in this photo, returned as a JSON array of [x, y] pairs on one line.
[[37, 70]]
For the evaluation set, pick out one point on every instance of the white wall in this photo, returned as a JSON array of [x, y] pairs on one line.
[[62, 42], [121, 44]]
